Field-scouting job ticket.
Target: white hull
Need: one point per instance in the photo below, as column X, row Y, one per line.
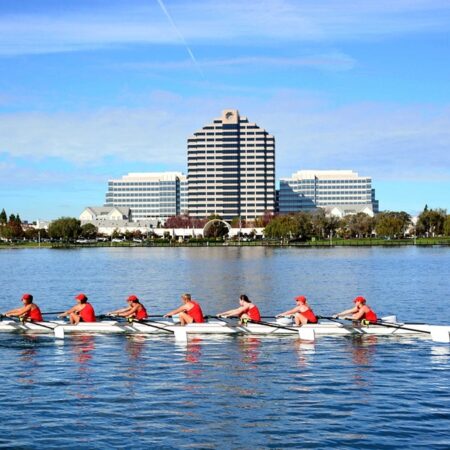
column 222, row 328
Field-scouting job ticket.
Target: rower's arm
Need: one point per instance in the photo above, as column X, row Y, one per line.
column 18, row 311
column 127, row 312
column 233, row 312
column 119, row 311
column 358, row 314
column 75, row 308
column 347, row 311
column 289, row 312
column 176, row 311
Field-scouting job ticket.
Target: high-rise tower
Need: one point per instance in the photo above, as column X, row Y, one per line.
column 231, row 169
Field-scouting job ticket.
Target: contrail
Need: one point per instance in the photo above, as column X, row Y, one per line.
column 191, row 55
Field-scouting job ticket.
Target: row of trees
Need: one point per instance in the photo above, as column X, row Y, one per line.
column 388, row 224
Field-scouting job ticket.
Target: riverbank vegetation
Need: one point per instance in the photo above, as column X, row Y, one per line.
column 314, row 228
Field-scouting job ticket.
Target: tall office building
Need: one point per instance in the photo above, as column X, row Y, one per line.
column 231, row 169
column 149, row 195
column 309, row 189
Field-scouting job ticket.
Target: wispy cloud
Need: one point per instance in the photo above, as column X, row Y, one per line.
column 330, row 61
column 209, row 21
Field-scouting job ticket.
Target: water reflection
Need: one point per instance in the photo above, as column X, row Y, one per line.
column 193, row 350
column 28, row 358
column 134, row 346
column 304, row 351
column 250, row 348
column 440, row 354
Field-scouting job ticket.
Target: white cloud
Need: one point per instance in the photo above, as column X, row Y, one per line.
column 384, row 141
column 209, row 21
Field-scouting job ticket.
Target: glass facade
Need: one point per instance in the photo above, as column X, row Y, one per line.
column 149, row 195
column 307, row 190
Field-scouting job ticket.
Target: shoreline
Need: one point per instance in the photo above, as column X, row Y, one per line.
column 421, row 242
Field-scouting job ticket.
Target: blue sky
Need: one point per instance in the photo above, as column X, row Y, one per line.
column 94, row 89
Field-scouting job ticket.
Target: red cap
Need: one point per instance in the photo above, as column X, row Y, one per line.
column 300, row 298
column 81, row 297
column 27, row 297
column 359, row 300
column 132, row 298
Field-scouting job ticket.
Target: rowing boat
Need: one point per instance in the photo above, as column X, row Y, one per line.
column 220, row 327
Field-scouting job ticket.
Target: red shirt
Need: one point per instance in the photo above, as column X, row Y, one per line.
column 35, row 314
column 87, row 314
column 141, row 313
column 196, row 312
column 370, row 316
column 309, row 315
column 253, row 313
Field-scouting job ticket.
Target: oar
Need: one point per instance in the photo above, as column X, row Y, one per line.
column 307, row 334
column 153, row 325
column 58, row 330
column 52, row 313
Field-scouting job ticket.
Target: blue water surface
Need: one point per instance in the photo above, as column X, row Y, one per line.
column 245, row 392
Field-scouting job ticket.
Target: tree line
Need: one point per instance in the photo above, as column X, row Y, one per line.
column 301, row 226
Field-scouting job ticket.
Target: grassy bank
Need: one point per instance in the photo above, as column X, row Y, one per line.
column 266, row 243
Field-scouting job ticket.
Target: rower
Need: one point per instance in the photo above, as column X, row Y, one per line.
column 134, row 310
column 302, row 313
column 28, row 312
column 361, row 311
column 81, row 312
column 189, row 312
column 246, row 311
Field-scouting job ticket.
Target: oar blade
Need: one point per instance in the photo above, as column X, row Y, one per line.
column 440, row 334
column 59, row 332
column 306, row 334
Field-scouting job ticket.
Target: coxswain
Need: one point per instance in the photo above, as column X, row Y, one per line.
column 361, row 311
column 28, row 312
column 134, row 310
column 81, row 312
column 189, row 312
column 246, row 311
column 302, row 313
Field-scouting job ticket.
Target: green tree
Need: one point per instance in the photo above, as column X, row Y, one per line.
column 216, row 229
column 392, row 224
column 89, row 231
column 282, row 227
column 358, row 225
column 431, row 222
column 3, row 217
column 65, row 228
column 447, row 226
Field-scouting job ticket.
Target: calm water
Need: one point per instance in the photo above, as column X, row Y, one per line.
column 135, row 392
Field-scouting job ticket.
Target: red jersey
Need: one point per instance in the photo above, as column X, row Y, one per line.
column 370, row 316
column 35, row 314
column 309, row 316
column 196, row 312
column 141, row 313
column 253, row 313
column 87, row 314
